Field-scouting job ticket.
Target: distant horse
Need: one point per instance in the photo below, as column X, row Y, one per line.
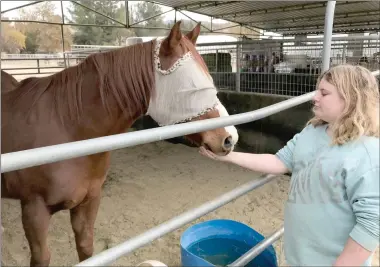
column 8, row 82
column 103, row 95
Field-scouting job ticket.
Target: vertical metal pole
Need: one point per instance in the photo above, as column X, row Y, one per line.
column 38, row 66
column 327, row 37
column 126, row 14
column 344, row 54
column 216, row 60
column 238, row 55
column 63, row 45
column 63, row 35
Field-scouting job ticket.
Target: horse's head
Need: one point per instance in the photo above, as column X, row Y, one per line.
column 185, row 91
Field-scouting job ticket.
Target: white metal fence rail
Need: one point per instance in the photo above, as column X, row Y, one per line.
column 110, row 255
column 48, row 154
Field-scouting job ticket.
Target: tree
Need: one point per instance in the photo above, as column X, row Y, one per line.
column 97, row 35
column 13, row 41
column 145, row 10
column 43, row 37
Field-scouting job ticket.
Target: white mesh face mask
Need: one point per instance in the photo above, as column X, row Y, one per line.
column 182, row 92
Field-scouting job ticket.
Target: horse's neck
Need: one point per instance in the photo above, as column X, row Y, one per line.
column 96, row 118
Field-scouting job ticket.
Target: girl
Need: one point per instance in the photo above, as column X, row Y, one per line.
column 332, row 212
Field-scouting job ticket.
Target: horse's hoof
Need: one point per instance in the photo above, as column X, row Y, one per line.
column 152, row 263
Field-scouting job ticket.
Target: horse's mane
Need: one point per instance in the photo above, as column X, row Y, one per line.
column 126, row 74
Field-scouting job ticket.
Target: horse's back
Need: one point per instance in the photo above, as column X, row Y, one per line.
column 26, row 116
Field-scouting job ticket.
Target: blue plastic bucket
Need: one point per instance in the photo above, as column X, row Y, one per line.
column 221, row 242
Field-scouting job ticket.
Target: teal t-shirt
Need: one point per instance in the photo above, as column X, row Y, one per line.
column 333, row 195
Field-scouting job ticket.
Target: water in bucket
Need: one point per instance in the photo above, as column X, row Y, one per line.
column 221, row 242
column 219, row 251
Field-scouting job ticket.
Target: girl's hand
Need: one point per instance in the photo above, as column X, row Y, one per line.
column 207, row 153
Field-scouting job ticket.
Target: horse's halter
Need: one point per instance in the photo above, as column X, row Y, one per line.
column 183, row 92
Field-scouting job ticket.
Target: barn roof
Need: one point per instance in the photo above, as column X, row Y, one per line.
column 288, row 17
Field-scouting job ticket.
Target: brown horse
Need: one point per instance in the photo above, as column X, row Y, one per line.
column 103, row 95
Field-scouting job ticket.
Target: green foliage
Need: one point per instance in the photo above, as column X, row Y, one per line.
column 93, row 35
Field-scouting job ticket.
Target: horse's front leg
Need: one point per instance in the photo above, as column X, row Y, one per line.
column 83, row 219
column 35, row 220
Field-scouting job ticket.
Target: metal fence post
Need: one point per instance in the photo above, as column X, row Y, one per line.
column 327, row 37
column 238, row 55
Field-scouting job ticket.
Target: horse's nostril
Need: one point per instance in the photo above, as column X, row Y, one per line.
column 227, row 142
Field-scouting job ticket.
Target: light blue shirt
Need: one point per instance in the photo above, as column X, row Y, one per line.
column 333, row 195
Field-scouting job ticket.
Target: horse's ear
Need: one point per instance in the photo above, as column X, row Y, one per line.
column 193, row 35
column 175, row 36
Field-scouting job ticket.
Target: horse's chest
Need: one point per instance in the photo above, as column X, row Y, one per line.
column 70, row 191
column 67, row 193
column 73, row 194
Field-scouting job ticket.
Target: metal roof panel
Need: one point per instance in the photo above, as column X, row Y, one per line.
column 269, row 14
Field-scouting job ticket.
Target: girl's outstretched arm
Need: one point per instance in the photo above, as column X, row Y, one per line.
column 266, row 163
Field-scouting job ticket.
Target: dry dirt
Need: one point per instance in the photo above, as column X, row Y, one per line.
column 148, row 185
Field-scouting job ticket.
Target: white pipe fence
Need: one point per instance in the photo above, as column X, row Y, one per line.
column 112, row 254
column 256, row 250
column 48, row 154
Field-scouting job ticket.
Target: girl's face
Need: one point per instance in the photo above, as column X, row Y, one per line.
column 328, row 104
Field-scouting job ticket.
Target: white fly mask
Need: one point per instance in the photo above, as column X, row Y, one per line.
column 183, row 92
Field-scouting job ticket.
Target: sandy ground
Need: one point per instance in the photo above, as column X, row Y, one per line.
column 148, row 185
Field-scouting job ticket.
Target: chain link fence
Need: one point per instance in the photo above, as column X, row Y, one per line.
column 280, row 67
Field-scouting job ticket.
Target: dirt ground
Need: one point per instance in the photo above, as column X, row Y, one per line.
column 148, row 185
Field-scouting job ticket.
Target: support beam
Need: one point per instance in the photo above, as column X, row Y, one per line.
column 203, row 4
column 285, row 8
column 151, row 17
column 320, row 31
column 63, row 36
column 18, row 7
column 60, row 23
column 321, row 26
column 327, row 37
column 193, row 20
column 315, row 18
column 126, row 5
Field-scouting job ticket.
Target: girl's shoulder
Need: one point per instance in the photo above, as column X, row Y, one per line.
column 368, row 148
column 361, row 155
column 311, row 132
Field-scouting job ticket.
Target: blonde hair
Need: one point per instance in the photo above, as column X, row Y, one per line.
column 359, row 89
